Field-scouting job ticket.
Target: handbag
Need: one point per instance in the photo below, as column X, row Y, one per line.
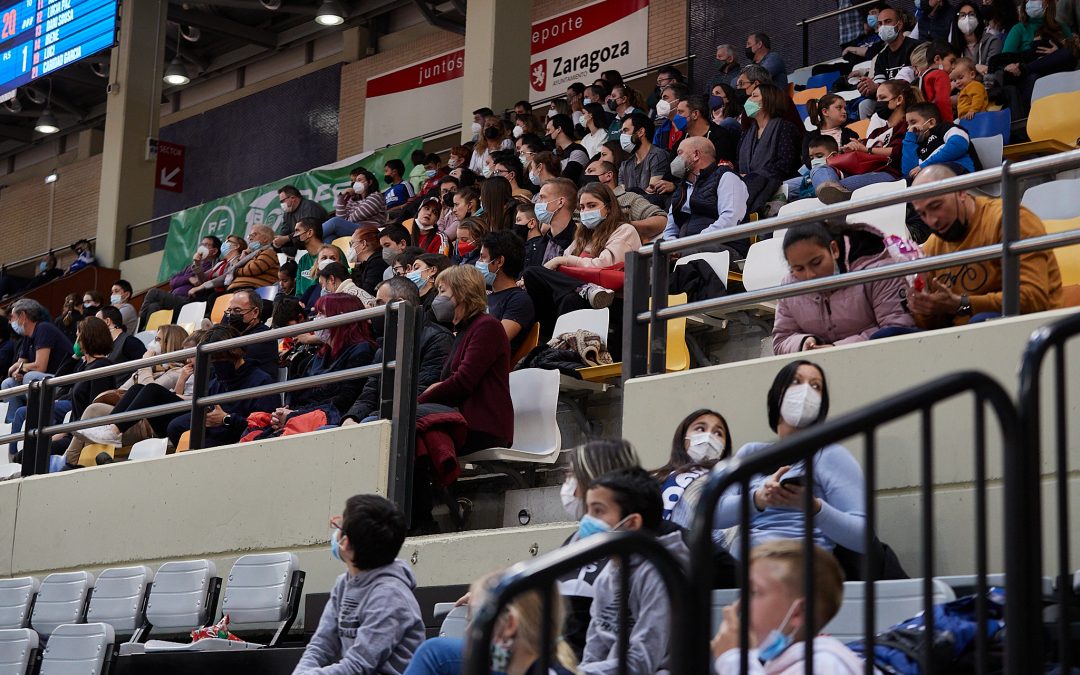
column 856, row 163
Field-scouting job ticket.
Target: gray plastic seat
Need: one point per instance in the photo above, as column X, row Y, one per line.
column 16, row 599
column 61, row 599
column 119, row 598
column 895, row 600
column 178, row 596
column 17, row 649
column 455, row 622
column 78, row 649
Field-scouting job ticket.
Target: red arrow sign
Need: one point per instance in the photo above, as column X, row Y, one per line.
column 169, row 172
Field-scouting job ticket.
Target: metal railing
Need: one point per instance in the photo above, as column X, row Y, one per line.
column 644, row 352
column 806, row 23
column 1045, row 342
column 6, row 267
column 398, row 372
column 542, row 575
column 1023, row 611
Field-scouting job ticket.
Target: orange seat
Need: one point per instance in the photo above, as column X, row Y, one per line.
column 184, row 443
column 220, row 305
column 859, row 127
column 531, row 340
column 803, row 97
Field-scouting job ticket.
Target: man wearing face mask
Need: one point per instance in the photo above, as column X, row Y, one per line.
column 258, row 265
column 695, row 110
column 646, row 160
column 393, row 239
column 893, row 57
column 120, row 298
column 307, row 236
column 398, row 191
column 727, row 61
column 242, row 315
column 294, row 206
column 435, row 343
column 758, row 50
column 554, row 210
column 47, row 271
column 710, row 196
column 972, row 292
column 647, row 218
column 672, row 125
column 501, row 262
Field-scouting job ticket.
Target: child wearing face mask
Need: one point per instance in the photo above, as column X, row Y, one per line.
column 930, row 139
column 818, row 152
column 372, row 622
column 798, row 399
column 778, row 621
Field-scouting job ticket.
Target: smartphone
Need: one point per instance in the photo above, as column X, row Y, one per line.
column 797, row 481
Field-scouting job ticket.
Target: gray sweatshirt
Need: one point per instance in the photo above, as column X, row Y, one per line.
column 371, row 624
column 650, row 622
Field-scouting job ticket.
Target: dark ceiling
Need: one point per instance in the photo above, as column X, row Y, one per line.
column 216, row 37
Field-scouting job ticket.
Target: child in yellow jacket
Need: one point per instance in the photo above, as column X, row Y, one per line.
column 971, row 97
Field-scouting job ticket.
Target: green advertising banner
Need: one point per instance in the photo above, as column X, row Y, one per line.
column 236, row 213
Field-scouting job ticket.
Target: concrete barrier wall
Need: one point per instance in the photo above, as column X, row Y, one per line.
column 860, row 374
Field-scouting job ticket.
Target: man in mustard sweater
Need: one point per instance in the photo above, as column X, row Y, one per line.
column 972, row 292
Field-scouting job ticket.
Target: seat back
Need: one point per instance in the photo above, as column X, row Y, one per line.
column 119, row 598
column 987, row 124
column 595, row 320
column 887, row 219
column 765, row 265
column 800, row 76
column 282, row 259
column 182, row 595
column 719, row 261
column 16, row 599
column 257, row 590
column 61, row 599
column 192, row 313
column 677, row 354
column 162, row 317
column 220, row 304
column 344, row 243
column 859, row 127
column 825, row 80
column 804, row 96
column 17, row 648
column 149, row 448
column 1054, row 118
column 1055, row 200
column 1057, row 83
column 267, row 293
column 535, row 393
column 455, row 623
column 528, row 344
column 894, row 601
column 145, row 337
column 797, row 206
column 1068, row 257
column 989, row 150
column 85, row 649
column 183, row 444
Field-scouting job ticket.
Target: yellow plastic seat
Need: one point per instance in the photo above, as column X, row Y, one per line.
column 860, row 127
column 220, row 305
column 803, row 97
column 677, row 357
column 1052, row 125
column 162, row 317
column 1068, row 257
column 184, row 443
column 89, row 454
column 531, row 340
column 343, row 243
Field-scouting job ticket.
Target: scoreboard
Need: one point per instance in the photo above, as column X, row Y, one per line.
column 38, row 37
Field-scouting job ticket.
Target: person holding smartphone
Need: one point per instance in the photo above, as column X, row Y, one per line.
column 797, row 399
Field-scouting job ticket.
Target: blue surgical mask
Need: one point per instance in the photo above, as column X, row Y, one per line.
column 254, row 245
column 482, row 266
column 542, row 213
column 590, row 525
column 335, row 545
column 591, row 219
column 42, row 266
column 679, row 121
column 1035, row 9
column 777, row 640
column 416, row 277
column 18, row 328
column 115, row 299
column 225, row 249
column 430, row 173
column 871, row 20
column 716, row 102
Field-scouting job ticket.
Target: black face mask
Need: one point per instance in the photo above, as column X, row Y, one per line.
column 612, row 105
column 491, row 133
column 957, row 230
column 224, row 371
column 741, row 97
column 236, row 321
column 586, row 179
column 882, row 110
column 448, row 200
column 749, row 53
column 378, row 325
column 389, row 179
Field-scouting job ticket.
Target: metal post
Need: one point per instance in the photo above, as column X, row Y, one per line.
column 389, row 350
column 805, row 43
column 197, row 440
column 403, row 434
column 635, row 334
column 658, row 335
column 38, row 404
column 1010, row 233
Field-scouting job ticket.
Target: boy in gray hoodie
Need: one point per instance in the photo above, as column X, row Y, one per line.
column 628, row 499
column 372, row 623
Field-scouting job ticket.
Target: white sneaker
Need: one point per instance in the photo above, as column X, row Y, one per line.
column 598, row 296
column 105, row 435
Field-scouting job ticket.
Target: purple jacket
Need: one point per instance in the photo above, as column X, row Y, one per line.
column 843, row 316
column 180, row 283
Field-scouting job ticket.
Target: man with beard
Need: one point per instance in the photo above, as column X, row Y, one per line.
column 294, row 206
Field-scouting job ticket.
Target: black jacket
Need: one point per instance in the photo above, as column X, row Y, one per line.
column 339, row 394
column 263, row 355
column 368, row 274
column 434, row 350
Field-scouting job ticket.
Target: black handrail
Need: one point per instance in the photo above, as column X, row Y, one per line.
column 543, row 573
column 805, row 25
column 1044, row 341
column 1023, row 609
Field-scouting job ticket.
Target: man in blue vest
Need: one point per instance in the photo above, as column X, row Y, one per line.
column 709, row 196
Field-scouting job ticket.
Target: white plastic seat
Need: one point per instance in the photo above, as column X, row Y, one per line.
column 282, row 259
column 720, row 262
column 83, row 649
column 192, row 313
column 888, row 219
column 894, row 601
column 9, row 470
column 16, row 598
column 989, row 149
column 595, row 320
column 535, row 393
column 797, row 206
column 259, row 590
column 17, row 649
column 61, row 599
column 146, row 337
column 765, row 265
column 800, row 76
column 455, row 623
column 119, row 597
column 1055, row 200
column 149, row 448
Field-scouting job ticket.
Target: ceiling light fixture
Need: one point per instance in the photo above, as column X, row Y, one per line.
column 176, row 74
column 52, row 177
column 46, row 124
column 330, row 14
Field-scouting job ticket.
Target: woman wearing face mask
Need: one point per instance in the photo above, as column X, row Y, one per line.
column 459, row 157
column 701, row 440
column 366, row 254
column 725, row 111
column 602, row 241
column 359, row 204
column 258, row 266
column 493, row 137
column 778, row 621
column 845, row 315
column 471, row 232
column 595, row 120
column 496, row 204
column 92, row 301
column 1039, row 40
column 797, row 399
column 970, row 38
column 334, row 279
column 207, row 283
column 623, row 101
column 327, row 253
column 770, row 144
column 423, row 271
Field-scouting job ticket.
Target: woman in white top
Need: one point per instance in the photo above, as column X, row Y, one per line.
column 595, row 122
column 492, row 138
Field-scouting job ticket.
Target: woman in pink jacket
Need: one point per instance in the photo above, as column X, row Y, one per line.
column 845, row 315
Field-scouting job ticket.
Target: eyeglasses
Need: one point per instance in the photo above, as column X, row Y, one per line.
column 335, row 522
column 399, row 271
column 499, row 172
column 236, row 311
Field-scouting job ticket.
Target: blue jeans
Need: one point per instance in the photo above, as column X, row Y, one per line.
column 893, row 331
column 437, row 656
column 826, row 174
column 16, row 402
column 337, row 226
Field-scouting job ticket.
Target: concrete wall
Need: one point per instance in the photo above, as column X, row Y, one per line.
column 860, row 374
column 142, row 272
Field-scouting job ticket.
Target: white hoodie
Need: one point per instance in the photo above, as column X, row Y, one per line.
column 831, row 657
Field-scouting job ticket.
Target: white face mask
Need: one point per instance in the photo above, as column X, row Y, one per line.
column 202, row 251
column 662, row 108
column 967, row 24
column 800, row 406
column 570, row 502
column 518, row 131
column 704, row 446
column 552, row 112
column 324, row 262
column 577, row 117
column 475, row 128
column 818, row 162
column 350, row 254
column 358, row 186
column 154, row 347
column 887, row 33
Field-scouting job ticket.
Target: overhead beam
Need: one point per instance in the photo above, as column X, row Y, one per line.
column 286, row 8
column 223, row 26
column 20, row 134
column 436, row 19
column 59, row 101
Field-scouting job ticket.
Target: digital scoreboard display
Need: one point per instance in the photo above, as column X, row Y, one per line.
column 38, row 37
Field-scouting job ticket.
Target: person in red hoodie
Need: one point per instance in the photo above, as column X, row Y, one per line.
column 933, row 62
